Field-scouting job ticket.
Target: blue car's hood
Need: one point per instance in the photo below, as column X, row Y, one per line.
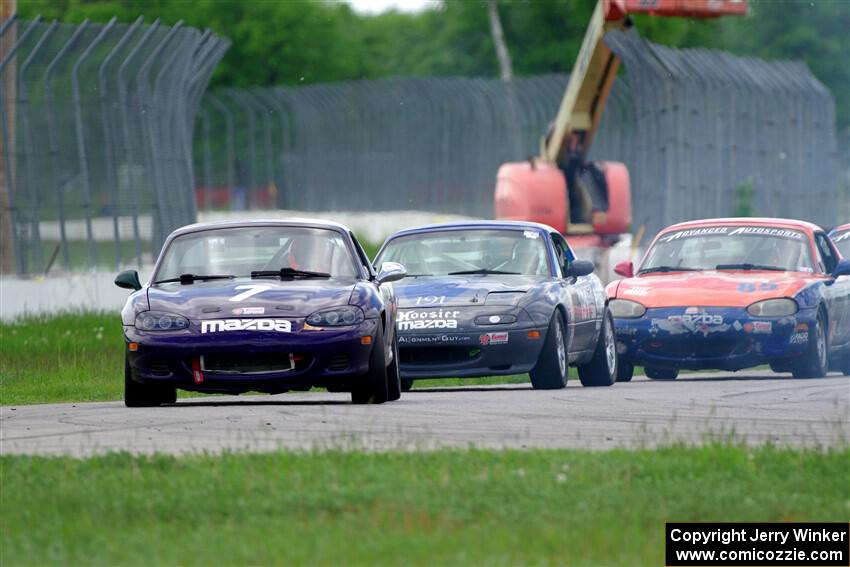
column 246, row 297
column 459, row 291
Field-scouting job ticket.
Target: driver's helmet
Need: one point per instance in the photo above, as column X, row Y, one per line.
column 310, row 252
column 773, row 256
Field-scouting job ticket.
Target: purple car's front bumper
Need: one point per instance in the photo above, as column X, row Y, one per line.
column 241, row 361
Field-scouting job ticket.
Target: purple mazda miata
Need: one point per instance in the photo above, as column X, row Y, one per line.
column 266, row 306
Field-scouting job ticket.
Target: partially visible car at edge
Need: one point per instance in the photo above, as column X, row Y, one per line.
column 498, row 298
column 733, row 293
column 267, row 306
column 840, row 235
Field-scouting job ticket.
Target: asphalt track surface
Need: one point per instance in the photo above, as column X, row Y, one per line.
column 749, row 407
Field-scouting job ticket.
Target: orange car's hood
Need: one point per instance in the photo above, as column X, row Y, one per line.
column 709, row 288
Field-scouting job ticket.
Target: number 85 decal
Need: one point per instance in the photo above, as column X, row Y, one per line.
column 745, row 287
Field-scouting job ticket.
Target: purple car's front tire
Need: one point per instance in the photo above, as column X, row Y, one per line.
column 138, row 395
column 372, row 388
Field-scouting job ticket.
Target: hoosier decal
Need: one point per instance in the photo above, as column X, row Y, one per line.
column 223, row 325
column 421, row 320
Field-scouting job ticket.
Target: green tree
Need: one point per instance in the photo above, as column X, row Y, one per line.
column 306, row 41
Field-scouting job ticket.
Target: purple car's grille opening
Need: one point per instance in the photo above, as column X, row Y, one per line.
column 253, row 363
column 438, row 355
column 159, row 368
column 339, row 362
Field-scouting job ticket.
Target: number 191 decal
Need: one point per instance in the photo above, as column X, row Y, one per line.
column 430, row 300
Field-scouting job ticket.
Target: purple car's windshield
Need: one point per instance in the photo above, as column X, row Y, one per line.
column 456, row 252
column 730, row 248
column 242, row 250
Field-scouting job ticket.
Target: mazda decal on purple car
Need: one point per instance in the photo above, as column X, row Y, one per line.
column 267, row 306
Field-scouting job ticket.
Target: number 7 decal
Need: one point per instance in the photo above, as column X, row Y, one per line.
column 252, row 290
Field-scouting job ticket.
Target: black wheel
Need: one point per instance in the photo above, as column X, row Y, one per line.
column 138, row 395
column 625, row 370
column 406, row 384
column 602, row 368
column 371, row 388
column 661, row 373
column 393, row 376
column 550, row 372
column 780, row 365
column 814, row 363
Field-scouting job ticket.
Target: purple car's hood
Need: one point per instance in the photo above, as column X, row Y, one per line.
column 217, row 299
column 460, row 291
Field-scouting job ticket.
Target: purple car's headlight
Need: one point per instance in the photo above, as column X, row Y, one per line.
column 773, row 308
column 336, row 317
column 160, row 321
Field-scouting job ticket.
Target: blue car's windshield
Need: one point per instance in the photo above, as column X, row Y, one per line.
column 730, row 248
column 474, row 251
column 242, row 250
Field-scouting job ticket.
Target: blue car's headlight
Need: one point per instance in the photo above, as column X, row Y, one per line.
column 336, row 317
column 160, row 321
column 495, row 319
column 626, row 309
column 773, row 308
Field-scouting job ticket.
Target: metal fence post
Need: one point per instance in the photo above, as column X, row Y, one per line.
column 108, row 130
column 51, row 134
column 127, row 137
column 229, row 149
column 81, row 141
column 27, row 132
column 7, row 158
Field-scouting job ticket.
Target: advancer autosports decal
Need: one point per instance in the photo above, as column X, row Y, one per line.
column 734, row 231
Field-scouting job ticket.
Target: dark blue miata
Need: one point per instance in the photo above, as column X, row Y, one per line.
column 266, row 306
column 491, row 298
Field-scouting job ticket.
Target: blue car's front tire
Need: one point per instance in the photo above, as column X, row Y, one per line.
column 625, row 370
column 814, row 363
column 660, row 373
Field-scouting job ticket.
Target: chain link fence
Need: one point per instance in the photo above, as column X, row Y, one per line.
column 701, row 132
column 716, row 135
column 98, row 144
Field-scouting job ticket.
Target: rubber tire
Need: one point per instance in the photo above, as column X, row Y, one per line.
column 660, row 373
column 597, row 372
column 406, row 384
column 393, row 375
column 371, row 388
column 811, row 365
column 780, row 366
column 138, row 395
column 547, row 374
column 625, row 370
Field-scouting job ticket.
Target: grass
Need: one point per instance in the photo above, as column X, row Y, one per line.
column 74, row 357
column 445, row 507
column 78, row 357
